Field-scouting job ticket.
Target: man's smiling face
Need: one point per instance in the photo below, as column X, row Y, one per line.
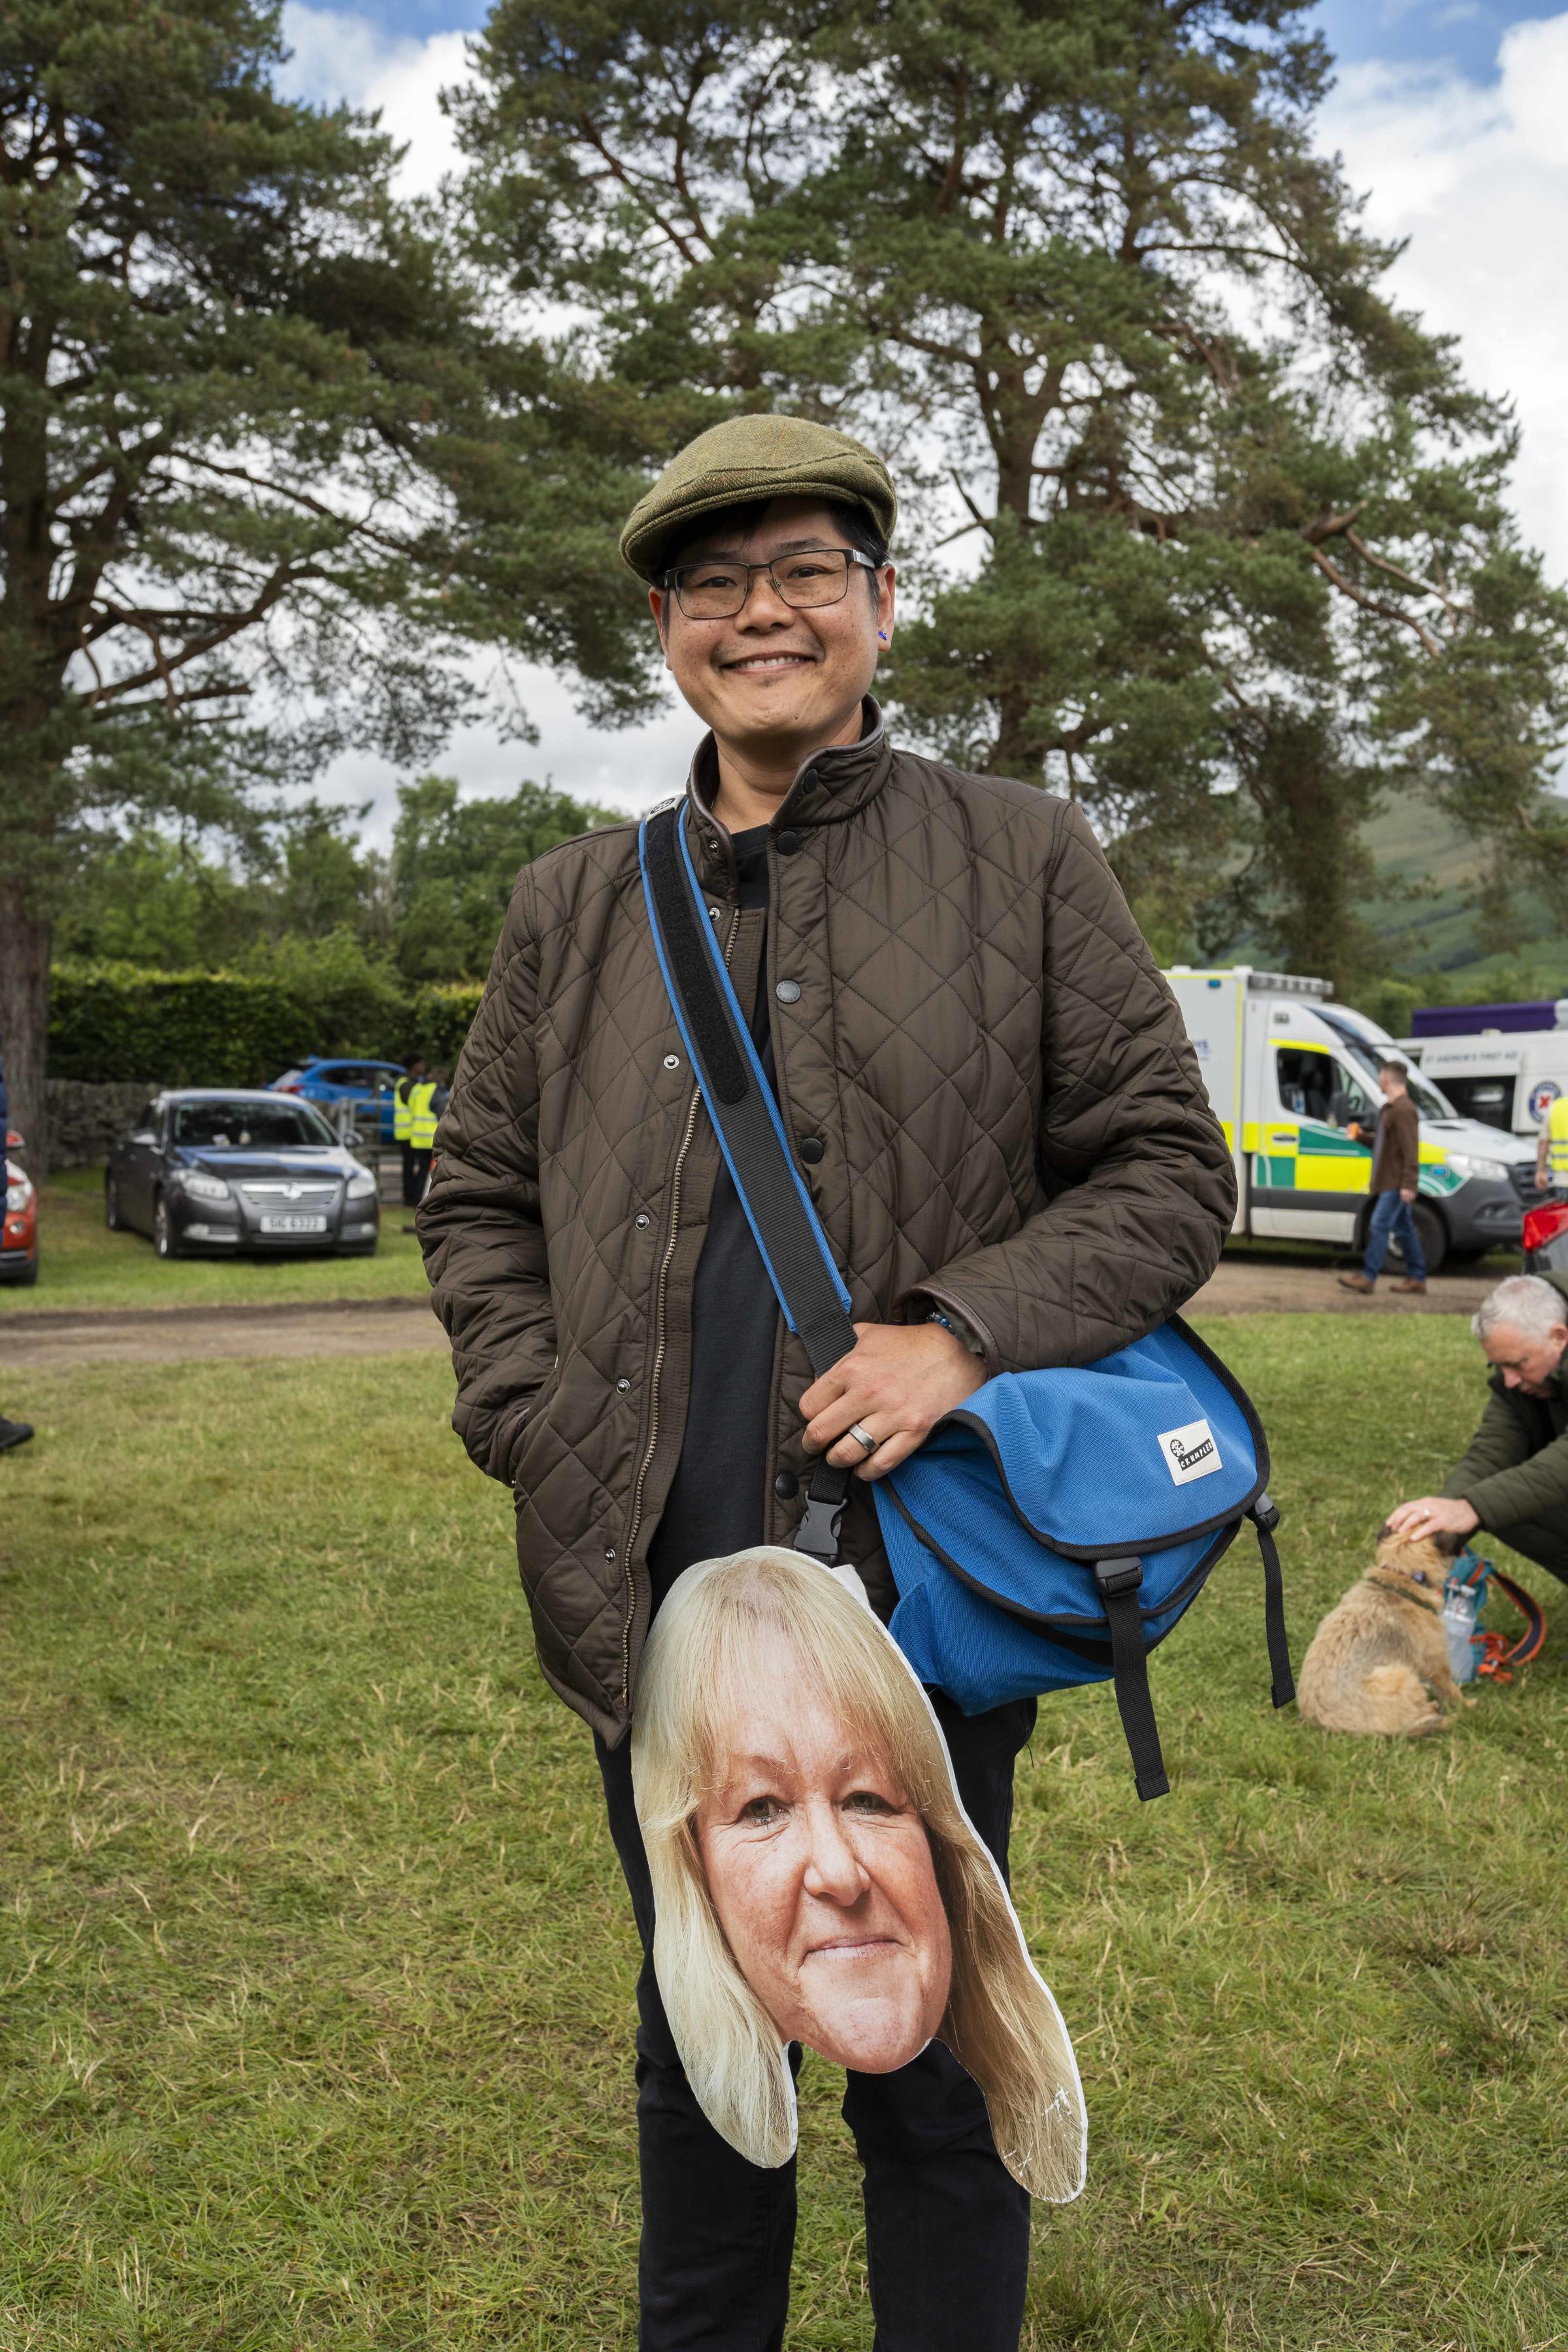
column 772, row 673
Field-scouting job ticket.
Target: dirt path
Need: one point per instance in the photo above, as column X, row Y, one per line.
column 1257, row 1286
column 376, row 1327
column 174, row 1335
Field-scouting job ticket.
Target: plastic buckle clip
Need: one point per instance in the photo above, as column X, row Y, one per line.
column 817, row 1534
column 1265, row 1514
column 1115, row 1576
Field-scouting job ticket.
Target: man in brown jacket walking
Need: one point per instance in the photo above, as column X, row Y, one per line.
column 989, row 1092
column 1396, row 1174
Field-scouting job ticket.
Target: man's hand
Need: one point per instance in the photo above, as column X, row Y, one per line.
column 896, row 1382
column 1406, row 1196
column 1434, row 1515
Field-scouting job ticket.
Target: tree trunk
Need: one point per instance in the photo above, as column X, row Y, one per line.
column 24, row 1022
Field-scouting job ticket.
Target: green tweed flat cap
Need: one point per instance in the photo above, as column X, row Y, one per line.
column 755, row 458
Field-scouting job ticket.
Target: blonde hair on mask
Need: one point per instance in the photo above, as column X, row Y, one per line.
column 721, row 1629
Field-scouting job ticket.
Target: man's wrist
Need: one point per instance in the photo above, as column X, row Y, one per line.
column 954, row 1322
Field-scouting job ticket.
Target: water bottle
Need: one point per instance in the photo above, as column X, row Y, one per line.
column 1459, row 1626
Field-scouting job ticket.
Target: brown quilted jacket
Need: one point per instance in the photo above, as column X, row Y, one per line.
column 1010, row 1118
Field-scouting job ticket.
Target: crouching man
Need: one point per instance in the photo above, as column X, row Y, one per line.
column 1513, row 1480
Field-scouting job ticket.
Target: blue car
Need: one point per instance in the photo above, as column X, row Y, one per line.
column 367, row 1085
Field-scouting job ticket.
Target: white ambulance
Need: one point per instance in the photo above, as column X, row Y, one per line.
column 1505, row 1064
column 1289, row 1073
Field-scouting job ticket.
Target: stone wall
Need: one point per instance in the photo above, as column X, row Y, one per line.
column 85, row 1119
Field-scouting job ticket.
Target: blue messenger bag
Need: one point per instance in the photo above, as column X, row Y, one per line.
column 1054, row 1528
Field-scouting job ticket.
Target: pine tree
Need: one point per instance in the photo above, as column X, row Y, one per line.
column 266, row 465
column 1077, row 266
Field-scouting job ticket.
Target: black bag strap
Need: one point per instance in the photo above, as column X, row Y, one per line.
column 1119, row 1581
column 1264, row 1517
column 745, row 1117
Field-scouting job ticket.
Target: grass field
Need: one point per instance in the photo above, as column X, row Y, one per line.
column 82, row 1265
column 318, row 1974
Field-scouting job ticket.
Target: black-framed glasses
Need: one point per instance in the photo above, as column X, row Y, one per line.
column 717, row 590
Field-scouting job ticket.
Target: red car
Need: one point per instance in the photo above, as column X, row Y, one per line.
column 19, row 1233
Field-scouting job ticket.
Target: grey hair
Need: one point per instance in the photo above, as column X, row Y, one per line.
column 1525, row 1302
column 1002, row 2022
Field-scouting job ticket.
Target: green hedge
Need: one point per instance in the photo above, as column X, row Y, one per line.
column 109, row 1022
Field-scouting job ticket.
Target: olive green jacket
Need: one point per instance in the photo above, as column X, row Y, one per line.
column 1516, row 1467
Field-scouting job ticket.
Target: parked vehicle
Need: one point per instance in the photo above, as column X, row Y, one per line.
column 19, row 1233
column 1289, row 1073
column 366, row 1085
column 1546, row 1238
column 1505, row 1064
column 228, row 1172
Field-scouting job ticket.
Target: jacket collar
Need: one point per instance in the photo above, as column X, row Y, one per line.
column 828, row 787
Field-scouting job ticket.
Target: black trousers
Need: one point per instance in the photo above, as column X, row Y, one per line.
column 947, row 2228
column 416, row 1175
column 1543, row 1540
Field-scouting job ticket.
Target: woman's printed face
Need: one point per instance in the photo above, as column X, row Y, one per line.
column 821, row 1875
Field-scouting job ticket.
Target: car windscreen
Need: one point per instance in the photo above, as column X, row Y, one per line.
column 247, row 1125
column 1421, row 1092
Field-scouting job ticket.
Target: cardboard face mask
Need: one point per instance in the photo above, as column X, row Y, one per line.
column 815, row 1878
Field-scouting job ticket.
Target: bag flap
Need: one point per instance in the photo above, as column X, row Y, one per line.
column 1143, row 1450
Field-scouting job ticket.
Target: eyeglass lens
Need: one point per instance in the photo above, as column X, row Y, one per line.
column 713, row 591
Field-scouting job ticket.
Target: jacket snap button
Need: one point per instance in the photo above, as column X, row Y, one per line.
column 672, row 1061
column 623, row 1386
column 787, row 842
column 787, row 1485
column 788, row 992
column 642, row 1221
column 812, row 1149
column 609, row 1551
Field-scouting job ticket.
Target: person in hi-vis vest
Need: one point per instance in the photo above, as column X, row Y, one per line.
column 1552, row 1151
column 427, row 1102
column 403, row 1129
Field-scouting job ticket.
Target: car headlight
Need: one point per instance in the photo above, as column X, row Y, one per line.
column 204, row 1187
column 1466, row 1163
column 361, row 1187
column 18, row 1192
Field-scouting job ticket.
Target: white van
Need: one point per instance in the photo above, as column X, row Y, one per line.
column 1504, row 1064
column 1288, row 1071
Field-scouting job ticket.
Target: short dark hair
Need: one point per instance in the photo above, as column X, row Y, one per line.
column 848, row 515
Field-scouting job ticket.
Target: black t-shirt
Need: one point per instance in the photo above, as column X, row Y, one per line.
column 718, row 1501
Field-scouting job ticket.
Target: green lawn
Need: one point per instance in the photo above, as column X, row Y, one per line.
column 318, row 1974
column 82, row 1265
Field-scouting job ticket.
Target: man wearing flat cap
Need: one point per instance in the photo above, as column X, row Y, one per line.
column 989, row 1093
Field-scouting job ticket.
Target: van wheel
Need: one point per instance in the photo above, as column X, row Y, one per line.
column 1433, row 1235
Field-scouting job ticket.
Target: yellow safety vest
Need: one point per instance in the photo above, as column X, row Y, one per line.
column 421, row 1115
column 1557, row 1140
column 401, row 1115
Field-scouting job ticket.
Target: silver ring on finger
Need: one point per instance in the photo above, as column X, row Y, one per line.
column 863, row 1436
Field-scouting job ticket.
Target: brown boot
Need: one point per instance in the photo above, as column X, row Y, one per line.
column 1417, row 1289
column 1358, row 1282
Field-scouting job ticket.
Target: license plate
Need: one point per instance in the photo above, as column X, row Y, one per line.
column 293, row 1225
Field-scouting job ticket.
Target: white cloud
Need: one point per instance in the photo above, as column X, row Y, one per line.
column 1477, row 178
column 338, row 55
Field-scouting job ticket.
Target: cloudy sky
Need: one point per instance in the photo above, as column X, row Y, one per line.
column 1448, row 114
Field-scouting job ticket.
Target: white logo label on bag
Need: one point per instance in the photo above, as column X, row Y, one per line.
column 1190, row 1453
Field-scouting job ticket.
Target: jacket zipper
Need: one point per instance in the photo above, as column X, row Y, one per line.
column 659, row 1339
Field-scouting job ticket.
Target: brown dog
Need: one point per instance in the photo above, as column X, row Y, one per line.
column 1379, row 1656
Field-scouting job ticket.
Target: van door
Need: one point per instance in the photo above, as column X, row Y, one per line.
column 1310, row 1173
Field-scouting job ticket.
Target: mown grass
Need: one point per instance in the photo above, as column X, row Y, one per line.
column 81, row 1265
column 317, row 1973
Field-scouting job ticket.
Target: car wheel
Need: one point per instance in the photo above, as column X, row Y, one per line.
column 1433, row 1237
column 163, row 1240
column 113, row 1217
column 29, row 1274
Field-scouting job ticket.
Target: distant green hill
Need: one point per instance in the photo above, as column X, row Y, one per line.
column 1425, row 864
